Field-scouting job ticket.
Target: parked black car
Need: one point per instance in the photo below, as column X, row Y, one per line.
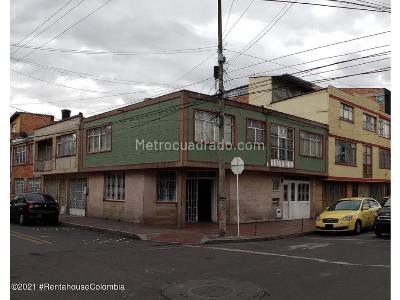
column 382, row 223
column 28, row 207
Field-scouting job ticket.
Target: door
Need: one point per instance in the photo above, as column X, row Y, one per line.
column 192, row 191
column 63, row 196
column 77, row 197
column 296, row 199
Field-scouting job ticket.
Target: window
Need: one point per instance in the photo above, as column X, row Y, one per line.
column 346, row 112
column 45, row 150
column 19, row 186
column 255, row 131
column 99, row 139
column 206, row 129
column 114, row 186
column 282, row 146
column 384, row 128
column 166, row 186
column 384, row 159
column 66, row 145
column 367, row 161
column 34, row 185
column 373, row 203
column 23, row 154
column 303, row 192
column 276, row 183
column 310, row 144
column 345, row 153
column 369, row 122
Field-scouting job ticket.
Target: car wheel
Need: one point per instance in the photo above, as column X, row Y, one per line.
column 378, row 233
column 22, row 220
column 54, row 221
column 357, row 227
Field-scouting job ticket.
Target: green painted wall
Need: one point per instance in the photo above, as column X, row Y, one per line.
column 158, row 122
column 255, row 156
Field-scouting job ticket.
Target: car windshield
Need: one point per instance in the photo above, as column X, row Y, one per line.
column 387, row 203
column 345, row 205
column 38, row 198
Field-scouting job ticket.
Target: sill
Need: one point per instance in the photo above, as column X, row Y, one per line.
column 308, row 156
column 374, row 131
column 384, row 168
column 113, row 200
column 20, row 165
column 345, row 165
column 162, row 202
column 347, row 120
column 90, row 153
column 61, row 156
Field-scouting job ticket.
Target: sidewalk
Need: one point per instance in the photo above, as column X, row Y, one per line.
column 194, row 233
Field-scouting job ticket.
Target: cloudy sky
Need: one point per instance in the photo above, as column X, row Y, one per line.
column 171, row 44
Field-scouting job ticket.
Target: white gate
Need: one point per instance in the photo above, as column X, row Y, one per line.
column 192, row 192
column 296, row 199
column 77, row 197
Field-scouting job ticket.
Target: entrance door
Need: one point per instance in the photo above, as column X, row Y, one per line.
column 63, row 196
column 296, row 199
column 199, row 200
column 77, row 197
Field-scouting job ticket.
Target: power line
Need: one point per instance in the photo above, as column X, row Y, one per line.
column 56, row 21
column 328, row 5
column 265, row 30
column 69, row 28
column 122, row 53
column 41, row 24
column 310, row 49
column 229, row 14
column 238, row 19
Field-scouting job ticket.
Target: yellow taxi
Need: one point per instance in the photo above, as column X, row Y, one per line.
column 348, row 214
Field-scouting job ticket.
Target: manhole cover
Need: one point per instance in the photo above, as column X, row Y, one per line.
column 217, row 289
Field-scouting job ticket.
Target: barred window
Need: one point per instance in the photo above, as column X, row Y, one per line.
column 384, row 128
column 255, row 131
column 303, row 192
column 206, row 129
column 346, row 112
column 19, row 185
column 345, row 153
column 276, row 184
column 99, row 139
column 384, row 159
column 23, row 154
column 166, row 186
column 282, row 146
column 34, row 185
column 310, row 144
column 369, row 122
column 367, row 161
column 114, row 186
column 66, row 145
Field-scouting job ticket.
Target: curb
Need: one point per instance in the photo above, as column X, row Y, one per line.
column 135, row 236
column 245, row 239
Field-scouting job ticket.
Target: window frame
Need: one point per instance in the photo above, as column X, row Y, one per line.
column 35, row 179
column 366, row 123
column 15, row 185
column 60, row 137
column 215, row 130
column 386, row 164
column 88, row 136
column 380, row 122
column 115, row 176
column 301, row 145
column 174, row 181
column 341, row 113
column 263, row 130
column 355, row 153
column 278, row 148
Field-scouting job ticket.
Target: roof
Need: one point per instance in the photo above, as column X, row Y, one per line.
column 18, row 113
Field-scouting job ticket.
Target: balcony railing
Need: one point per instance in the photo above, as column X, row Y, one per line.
column 43, row 165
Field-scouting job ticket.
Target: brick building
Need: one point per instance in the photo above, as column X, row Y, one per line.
column 22, row 126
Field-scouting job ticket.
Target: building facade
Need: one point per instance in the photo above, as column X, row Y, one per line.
column 157, row 162
column 57, row 154
column 22, row 126
column 359, row 136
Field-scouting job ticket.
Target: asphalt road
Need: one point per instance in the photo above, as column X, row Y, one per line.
column 310, row 267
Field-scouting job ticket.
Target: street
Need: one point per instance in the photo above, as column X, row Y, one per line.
column 308, row 267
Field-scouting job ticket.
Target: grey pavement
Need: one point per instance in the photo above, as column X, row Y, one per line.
column 307, row 267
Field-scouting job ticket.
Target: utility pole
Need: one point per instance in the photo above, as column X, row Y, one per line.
column 221, row 122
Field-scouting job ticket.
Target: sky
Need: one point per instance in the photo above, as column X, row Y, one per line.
column 172, row 45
